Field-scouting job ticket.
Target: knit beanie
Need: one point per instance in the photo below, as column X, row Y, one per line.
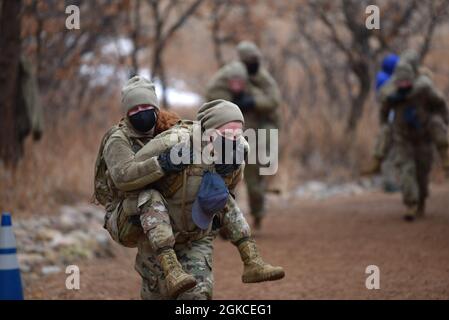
column 216, row 113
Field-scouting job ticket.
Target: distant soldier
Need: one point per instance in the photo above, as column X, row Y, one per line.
column 259, row 102
column 421, row 119
column 384, row 139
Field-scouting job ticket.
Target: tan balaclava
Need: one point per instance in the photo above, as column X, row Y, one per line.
column 138, row 91
column 216, row 113
column 248, row 51
column 411, row 57
column 404, row 72
column 234, row 70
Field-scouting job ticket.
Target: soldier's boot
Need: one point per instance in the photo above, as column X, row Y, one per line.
column 374, row 167
column 176, row 279
column 411, row 213
column 254, row 268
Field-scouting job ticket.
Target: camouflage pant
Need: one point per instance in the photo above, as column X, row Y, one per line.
column 233, row 224
column 438, row 132
column 195, row 258
column 157, row 227
column 413, row 161
column 155, row 222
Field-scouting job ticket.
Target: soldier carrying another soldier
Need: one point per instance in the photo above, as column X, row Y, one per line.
column 172, row 211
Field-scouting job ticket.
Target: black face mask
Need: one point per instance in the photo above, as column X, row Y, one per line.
column 252, row 67
column 228, row 151
column 405, row 90
column 143, row 121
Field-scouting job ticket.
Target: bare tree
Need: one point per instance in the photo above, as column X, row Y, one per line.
column 10, row 28
column 168, row 20
column 219, row 12
column 135, row 35
column 347, row 36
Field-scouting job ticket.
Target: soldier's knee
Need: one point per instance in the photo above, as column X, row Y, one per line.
column 237, row 229
column 161, row 236
column 155, row 219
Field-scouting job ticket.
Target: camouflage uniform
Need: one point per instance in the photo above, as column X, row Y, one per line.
column 193, row 246
column 265, row 115
column 420, row 117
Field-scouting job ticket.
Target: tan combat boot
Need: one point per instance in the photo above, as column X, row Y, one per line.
column 374, row 167
column 176, row 279
column 411, row 213
column 254, row 268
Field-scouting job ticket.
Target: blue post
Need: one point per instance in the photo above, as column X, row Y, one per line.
column 10, row 281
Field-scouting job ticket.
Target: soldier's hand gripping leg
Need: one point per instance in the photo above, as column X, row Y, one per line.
column 254, row 268
column 176, row 279
column 155, row 222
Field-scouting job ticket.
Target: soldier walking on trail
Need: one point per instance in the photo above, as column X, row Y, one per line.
column 259, row 101
column 420, row 122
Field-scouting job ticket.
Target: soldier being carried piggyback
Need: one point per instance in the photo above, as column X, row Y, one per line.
column 171, row 211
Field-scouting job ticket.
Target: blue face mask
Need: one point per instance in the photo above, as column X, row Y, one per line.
column 144, row 121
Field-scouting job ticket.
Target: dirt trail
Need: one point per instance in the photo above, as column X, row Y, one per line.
column 324, row 247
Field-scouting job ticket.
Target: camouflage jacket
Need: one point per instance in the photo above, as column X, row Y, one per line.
column 125, row 174
column 180, row 189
